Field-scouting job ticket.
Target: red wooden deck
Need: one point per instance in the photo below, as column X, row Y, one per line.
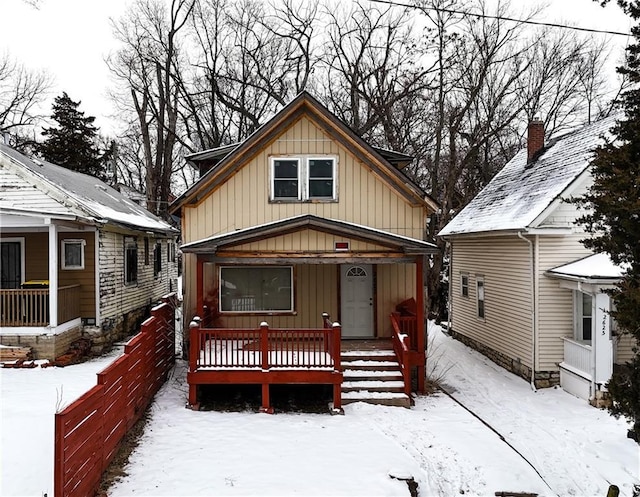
column 264, row 356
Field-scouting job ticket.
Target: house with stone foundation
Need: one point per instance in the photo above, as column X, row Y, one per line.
column 523, row 289
column 77, row 258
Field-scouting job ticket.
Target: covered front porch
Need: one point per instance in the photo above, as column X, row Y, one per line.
column 260, row 306
column 588, row 356
column 47, row 281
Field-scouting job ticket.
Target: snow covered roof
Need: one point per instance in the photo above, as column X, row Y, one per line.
column 520, row 192
column 593, row 267
column 77, row 194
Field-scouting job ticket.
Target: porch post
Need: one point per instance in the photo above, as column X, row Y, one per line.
column 53, row 275
column 199, row 287
column 420, row 322
column 194, row 353
column 601, row 340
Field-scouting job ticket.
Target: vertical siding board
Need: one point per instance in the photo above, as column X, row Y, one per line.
column 363, row 198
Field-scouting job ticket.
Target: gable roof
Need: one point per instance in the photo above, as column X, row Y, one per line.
column 517, row 196
column 598, row 268
column 71, row 194
column 309, row 221
column 303, row 104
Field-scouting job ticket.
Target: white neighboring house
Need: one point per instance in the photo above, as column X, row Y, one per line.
column 76, row 257
column 517, row 292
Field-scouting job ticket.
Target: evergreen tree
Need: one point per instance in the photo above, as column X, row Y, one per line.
column 73, row 142
column 614, row 220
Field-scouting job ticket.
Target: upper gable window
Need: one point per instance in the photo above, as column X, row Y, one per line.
column 299, row 179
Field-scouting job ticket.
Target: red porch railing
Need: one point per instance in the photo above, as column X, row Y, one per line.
column 30, row 306
column 264, row 356
column 88, row 432
column 402, row 345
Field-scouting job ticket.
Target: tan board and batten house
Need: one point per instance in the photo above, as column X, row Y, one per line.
column 77, row 258
column 524, row 290
column 301, row 218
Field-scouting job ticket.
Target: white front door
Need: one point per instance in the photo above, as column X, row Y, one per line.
column 356, row 296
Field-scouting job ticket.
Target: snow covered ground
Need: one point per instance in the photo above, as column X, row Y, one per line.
column 571, row 449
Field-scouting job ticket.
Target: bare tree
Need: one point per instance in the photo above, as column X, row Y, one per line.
column 21, row 93
column 251, row 60
column 147, row 64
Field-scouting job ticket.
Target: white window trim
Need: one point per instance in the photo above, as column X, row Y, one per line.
column 480, row 280
column 303, row 178
column 462, row 276
column 131, row 242
column 261, row 311
column 578, row 313
column 63, row 252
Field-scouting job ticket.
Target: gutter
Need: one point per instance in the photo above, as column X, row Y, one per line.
column 449, row 249
column 533, row 312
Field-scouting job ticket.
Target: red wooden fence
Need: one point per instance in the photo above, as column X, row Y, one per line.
column 88, row 432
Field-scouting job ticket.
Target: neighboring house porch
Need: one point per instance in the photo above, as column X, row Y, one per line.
column 48, row 282
column 75, row 257
column 594, row 348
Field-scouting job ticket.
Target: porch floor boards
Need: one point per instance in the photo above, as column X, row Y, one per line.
column 372, row 344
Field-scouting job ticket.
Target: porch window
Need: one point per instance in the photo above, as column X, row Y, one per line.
column 130, row 261
column 256, row 289
column 480, row 295
column 303, row 178
column 584, row 316
column 72, row 254
column 157, row 259
column 464, row 285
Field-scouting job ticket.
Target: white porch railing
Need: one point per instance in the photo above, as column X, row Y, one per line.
column 577, row 355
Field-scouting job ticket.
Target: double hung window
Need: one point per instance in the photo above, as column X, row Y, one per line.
column 300, row 179
column 480, row 295
column 584, row 315
column 464, row 285
column 130, row 261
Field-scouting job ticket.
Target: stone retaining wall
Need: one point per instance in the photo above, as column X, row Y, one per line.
column 543, row 379
column 44, row 346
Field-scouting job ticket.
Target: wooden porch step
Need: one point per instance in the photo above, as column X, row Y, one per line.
column 371, row 375
column 368, row 365
column 374, row 377
column 381, row 398
column 373, row 386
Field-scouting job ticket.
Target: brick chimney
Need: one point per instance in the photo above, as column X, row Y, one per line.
column 535, row 138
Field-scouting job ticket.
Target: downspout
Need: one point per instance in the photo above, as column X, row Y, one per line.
column 533, row 312
column 449, row 249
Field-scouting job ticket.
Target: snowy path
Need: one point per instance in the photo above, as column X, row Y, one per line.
column 579, row 450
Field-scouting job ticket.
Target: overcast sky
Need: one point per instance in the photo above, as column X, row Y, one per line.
column 71, row 38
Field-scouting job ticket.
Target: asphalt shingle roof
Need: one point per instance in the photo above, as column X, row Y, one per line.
column 89, row 196
column 518, row 194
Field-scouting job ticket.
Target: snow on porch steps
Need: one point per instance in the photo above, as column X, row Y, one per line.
column 374, row 377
